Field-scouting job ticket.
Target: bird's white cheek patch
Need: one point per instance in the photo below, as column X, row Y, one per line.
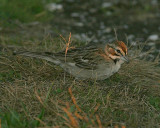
column 114, row 57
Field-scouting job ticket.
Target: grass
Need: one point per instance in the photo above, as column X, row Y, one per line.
column 22, row 11
column 22, row 20
column 34, row 93
column 14, row 119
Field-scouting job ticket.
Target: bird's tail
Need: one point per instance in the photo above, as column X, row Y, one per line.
column 41, row 55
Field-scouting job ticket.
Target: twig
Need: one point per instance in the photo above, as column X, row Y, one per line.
column 73, row 121
column 115, row 31
column 67, row 48
column 40, row 121
column 74, row 100
column 39, row 98
column 98, row 121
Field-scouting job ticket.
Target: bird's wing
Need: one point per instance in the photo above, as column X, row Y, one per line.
column 86, row 58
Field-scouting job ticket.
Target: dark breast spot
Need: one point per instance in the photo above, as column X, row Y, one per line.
column 116, row 60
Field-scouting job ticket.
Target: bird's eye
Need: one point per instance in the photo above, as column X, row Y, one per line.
column 118, row 51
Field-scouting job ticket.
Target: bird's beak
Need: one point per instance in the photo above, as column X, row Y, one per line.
column 125, row 58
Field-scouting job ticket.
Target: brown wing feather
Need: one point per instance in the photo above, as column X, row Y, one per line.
column 84, row 57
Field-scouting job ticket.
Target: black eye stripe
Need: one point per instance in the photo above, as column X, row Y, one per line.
column 117, row 55
column 118, row 51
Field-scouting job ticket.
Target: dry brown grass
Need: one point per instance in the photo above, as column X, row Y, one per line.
column 31, row 87
column 78, row 115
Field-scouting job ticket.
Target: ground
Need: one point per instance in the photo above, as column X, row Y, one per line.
column 36, row 93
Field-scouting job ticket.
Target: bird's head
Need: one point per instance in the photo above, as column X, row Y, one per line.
column 118, row 51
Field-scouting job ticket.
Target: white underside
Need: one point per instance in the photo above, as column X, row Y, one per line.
column 102, row 72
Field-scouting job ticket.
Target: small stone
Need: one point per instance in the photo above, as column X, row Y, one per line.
column 106, row 5
column 153, row 37
column 108, row 30
column 130, row 37
column 151, row 44
column 79, row 24
column 74, row 14
column 52, row 7
column 133, row 43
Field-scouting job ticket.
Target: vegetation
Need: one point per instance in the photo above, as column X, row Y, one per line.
column 36, row 93
column 22, row 11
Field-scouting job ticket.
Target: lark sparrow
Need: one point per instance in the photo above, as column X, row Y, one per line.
column 98, row 61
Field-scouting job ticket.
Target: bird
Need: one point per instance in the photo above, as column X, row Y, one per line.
column 93, row 61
